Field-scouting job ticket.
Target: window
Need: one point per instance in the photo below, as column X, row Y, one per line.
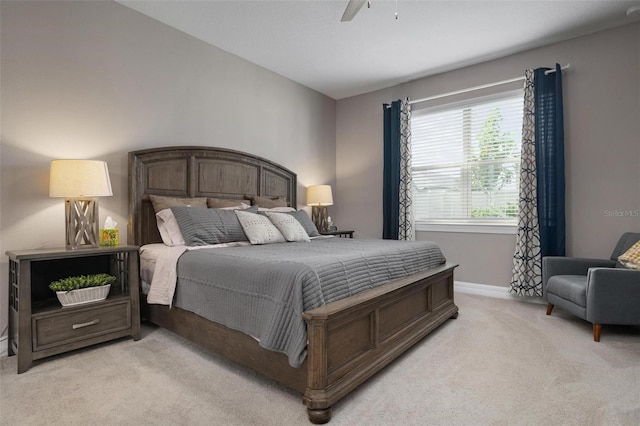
column 466, row 161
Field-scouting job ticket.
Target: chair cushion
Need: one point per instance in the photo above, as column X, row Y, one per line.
column 569, row 287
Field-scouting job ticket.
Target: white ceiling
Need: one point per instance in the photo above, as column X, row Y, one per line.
column 305, row 41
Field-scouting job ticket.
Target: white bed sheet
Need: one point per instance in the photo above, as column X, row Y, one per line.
column 160, row 268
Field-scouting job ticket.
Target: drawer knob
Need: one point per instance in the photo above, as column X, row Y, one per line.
column 86, row 324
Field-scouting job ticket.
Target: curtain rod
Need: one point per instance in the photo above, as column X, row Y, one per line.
column 483, row 86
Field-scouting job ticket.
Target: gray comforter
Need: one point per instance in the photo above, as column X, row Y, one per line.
column 263, row 290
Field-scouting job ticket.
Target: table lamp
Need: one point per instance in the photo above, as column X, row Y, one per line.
column 79, row 182
column 319, row 197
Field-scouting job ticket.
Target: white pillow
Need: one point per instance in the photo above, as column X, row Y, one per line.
column 169, row 229
column 258, row 228
column 241, row 206
column 288, row 226
column 277, row 209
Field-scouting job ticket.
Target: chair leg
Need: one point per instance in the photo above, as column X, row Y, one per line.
column 597, row 329
column 549, row 308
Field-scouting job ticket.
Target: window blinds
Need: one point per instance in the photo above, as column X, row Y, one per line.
column 466, row 161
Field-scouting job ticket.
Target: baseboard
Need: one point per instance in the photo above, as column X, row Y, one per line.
column 3, row 346
column 493, row 291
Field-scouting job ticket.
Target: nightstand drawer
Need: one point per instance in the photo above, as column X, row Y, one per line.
column 64, row 327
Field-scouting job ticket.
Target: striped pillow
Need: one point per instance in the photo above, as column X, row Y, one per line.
column 201, row 227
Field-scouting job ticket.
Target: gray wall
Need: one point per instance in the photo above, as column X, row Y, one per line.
column 602, row 131
column 95, row 80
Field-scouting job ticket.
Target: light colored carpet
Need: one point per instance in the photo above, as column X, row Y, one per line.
column 500, row 363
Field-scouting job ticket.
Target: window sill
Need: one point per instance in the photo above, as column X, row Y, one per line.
column 468, row 229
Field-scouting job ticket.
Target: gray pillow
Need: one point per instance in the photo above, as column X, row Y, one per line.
column 259, row 228
column 269, row 203
column 306, row 222
column 201, row 227
column 290, row 228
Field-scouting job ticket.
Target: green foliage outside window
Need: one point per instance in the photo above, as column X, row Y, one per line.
column 492, row 174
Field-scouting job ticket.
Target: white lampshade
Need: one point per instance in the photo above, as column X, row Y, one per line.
column 319, row 195
column 79, row 178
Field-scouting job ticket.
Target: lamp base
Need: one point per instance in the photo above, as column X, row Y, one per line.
column 81, row 223
column 319, row 216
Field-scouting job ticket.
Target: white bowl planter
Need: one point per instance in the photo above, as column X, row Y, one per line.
column 83, row 295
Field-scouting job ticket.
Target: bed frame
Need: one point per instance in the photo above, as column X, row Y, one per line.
column 348, row 340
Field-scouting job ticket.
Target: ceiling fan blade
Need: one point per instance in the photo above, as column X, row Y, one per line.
column 352, row 9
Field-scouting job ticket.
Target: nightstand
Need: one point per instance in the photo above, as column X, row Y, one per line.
column 40, row 327
column 339, row 233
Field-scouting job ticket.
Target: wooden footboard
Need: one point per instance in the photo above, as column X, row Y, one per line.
column 349, row 340
column 352, row 339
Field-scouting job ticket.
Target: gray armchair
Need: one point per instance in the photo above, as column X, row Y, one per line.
column 601, row 291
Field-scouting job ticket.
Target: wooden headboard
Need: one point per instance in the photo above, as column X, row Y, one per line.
column 188, row 171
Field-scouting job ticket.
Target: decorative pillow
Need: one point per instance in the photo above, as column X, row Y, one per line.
column 216, row 203
column 169, row 229
column 268, row 203
column 288, row 226
column 209, row 226
column 631, row 257
column 306, row 222
column 258, row 228
column 160, row 203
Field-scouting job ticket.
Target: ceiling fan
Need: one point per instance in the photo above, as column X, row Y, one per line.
column 353, row 8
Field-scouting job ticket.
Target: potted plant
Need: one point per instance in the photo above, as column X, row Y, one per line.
column 82, row 289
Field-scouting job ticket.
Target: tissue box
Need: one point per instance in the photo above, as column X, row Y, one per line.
column 109, row 237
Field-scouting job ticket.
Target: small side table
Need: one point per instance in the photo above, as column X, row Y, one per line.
column 339, row 233
column 40, row 327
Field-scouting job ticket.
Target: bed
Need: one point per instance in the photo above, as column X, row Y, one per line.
column 348, row 340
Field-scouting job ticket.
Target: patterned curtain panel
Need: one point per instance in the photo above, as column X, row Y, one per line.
column 397, row 186
column 405, row 206
column 526, row 279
